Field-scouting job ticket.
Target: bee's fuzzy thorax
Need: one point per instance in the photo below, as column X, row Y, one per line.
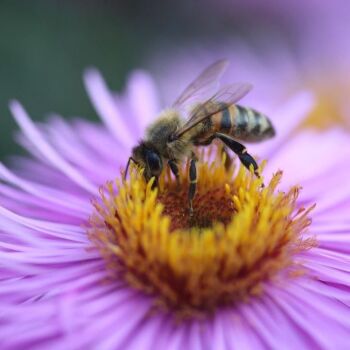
column 158, row 134
column 168, row 121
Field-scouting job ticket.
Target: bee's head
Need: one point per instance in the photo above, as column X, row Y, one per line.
column 147, row 158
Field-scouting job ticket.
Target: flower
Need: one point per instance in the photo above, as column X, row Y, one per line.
column 56, row 288
column 238, row 237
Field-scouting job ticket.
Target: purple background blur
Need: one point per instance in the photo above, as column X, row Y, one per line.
column 46, row 45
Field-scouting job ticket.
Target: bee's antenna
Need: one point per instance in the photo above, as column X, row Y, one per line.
column 127, row 166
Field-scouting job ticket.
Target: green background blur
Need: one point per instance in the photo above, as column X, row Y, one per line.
column 45, row 46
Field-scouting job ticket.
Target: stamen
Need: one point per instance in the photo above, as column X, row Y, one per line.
column 240, row 236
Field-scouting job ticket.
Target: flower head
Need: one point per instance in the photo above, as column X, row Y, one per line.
column 59, row 290
column 238, row 237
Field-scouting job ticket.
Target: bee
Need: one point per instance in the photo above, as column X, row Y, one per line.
column 171, row 138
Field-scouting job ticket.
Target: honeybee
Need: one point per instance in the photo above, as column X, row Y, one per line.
column 170, row 138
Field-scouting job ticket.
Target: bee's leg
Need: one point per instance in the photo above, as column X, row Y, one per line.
column 241, row 152
column 175, row 170
column 155, row 183
column 228, row 158
column 193, row 182
column 207, row 142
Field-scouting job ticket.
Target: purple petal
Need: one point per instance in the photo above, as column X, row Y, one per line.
column 34, row 135
column 107, row 108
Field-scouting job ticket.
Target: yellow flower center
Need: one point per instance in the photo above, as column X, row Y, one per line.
column 326, row 113
column 331, row 101
column 241, row 235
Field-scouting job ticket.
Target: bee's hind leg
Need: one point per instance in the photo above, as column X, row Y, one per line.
column 175, row 170
column 228, row 158
column 193, row 182
column 246, row 159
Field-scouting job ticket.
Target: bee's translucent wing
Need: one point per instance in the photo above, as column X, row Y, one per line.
column 203, row 83
column 225, row 97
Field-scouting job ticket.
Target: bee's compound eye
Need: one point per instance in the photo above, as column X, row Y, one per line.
column 154, row 162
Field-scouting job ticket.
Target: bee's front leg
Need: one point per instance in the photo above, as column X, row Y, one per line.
column 175, row 170
column 193, row 182
column 155, row 183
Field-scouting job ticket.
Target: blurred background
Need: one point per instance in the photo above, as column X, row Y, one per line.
column 46, row 45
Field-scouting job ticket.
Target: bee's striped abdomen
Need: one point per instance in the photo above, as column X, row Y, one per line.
column 223, row 122
column 226, row 120
column 239, row 122
column 250, row 125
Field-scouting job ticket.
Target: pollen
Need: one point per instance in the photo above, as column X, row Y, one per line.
column 241, row 235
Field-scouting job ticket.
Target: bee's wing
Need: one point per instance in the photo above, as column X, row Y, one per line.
column 225, row 97
column 203, row 83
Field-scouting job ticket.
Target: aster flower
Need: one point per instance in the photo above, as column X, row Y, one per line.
column 74, row 276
